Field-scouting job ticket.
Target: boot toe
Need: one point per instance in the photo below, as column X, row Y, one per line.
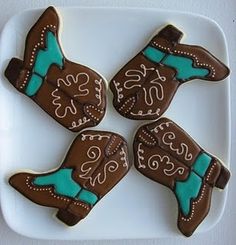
column 199, row 210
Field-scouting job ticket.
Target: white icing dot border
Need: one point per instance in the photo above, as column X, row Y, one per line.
column 96, row 109
column 111, row 144
column 33, row 53
column 81, row 204
column 190, row 54
column 195, row 203
column 211, row 170
column 132, row 99
column 50, row 190
column 150, row 136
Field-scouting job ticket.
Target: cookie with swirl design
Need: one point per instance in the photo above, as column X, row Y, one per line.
column 165, row 153
column 94, row 164
column 146, row 85
column 73, row 94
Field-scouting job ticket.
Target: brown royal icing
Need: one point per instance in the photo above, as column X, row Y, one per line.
column 145, row 86
column 71, row 93
column 101, row 163
column 166, row 154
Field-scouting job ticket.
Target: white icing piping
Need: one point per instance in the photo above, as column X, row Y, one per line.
column 81, row 122
column 190, row 54
column 94, row 153
column 157, row 88
column 169, row 170
column 132, row 100
column 51, row 192
column 183, row 150
column 124, row 157
column 161, row 126
column 148, row 113
column 136, row 76
column 193, row 205
column 93, row 136
column 98, row 89
column 71, row 108
column 110, row 167
column 34, row 51
column 118, row 91
column 140, row 157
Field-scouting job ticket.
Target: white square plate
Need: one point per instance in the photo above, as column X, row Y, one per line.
column 105, row 39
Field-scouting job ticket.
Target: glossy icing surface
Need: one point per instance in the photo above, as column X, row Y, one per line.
column 73, row 94
column 144, row 87
column 166, row 154
column 82, row 179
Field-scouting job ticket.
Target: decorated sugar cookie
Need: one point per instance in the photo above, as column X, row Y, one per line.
column 71, row 93
column 94, row 164
column 166, row 154
column 145, row 86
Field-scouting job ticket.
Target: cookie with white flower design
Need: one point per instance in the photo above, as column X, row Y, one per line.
column 144, row 88
column 73, row 94
column 165, row 153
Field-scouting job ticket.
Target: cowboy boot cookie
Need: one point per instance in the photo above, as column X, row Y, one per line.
column 94, row 164
column 145, row 86
column 166, row 154
column 71, row 93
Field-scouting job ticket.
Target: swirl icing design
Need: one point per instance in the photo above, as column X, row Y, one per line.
column 154, row 92
column 183, row 149
column 135, row 76
column 94, row 154
column 155, row 160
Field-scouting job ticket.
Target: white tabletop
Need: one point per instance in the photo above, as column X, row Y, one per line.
column 221, row 11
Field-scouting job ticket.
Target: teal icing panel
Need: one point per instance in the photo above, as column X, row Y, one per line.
column 62, row 182
column 201, row 164
column 44, row 59
column 34, row 84
column 51, row 55
column 154, row 54
column 186, row 190
column 88, row 197
column 184, row 67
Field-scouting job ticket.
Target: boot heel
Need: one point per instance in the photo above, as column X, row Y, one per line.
column 223, row 178
column 13, row 70
column 171, row 34
column 67, row 217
